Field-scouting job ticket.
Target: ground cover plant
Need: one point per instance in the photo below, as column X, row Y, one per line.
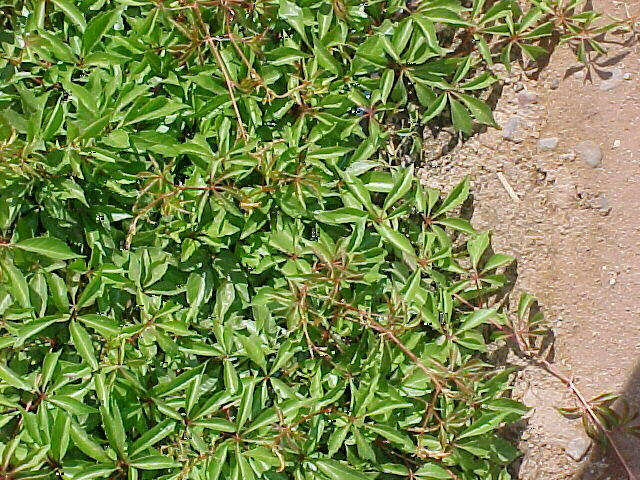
column 213, row 264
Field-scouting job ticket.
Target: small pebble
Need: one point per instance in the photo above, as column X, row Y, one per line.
column 613, row 81
column 518, row 87
column 527, row 98
column 555, row 83
column 578, row 448
column 590, row 153
column 605, row 205
column 510, row 128
column 628, row 76
column 547, row 144
column 616, row 143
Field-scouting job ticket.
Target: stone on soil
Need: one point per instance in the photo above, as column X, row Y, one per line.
column 613, row 81
column 590, row 153
column 605, row 205
column 510, row 128
column 578, row 448
column 547, row 144
column 527, row 98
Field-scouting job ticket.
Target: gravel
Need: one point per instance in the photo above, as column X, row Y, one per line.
column 590, row 153
column 548, row 144
column 578, row 448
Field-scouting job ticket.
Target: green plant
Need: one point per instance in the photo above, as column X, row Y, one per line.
column 212, row 266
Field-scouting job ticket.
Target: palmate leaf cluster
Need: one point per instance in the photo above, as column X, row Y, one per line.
column 212, row 267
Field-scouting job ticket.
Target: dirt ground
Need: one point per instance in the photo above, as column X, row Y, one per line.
column 575, row 231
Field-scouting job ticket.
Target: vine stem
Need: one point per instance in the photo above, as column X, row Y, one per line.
column 223, row 68
column 584, row 404
column 229, row 83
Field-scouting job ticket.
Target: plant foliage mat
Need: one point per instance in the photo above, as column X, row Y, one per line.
column 212, row 266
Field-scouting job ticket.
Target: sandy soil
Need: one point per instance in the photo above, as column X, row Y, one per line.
column 575, row 232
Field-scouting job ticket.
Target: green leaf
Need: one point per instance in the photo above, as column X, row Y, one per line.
column 71, row 405
column 246, row 402
column 401, row 186
column 477, row 246
column 54, row 121
column 341, row 215
column 19, row 287
column 337, row 438
column 443, row 15
column 456, row 197
column 217, row 425
column 364, row 151
column 95, row 471
column 293, row 15
column 460, row 117
column 477, row 318
column 58, row 291
column 339, row 471
column 154, row 462
column 71, row 12
column 436, row 107
column 325, row 59
column 483, row 425
column 479, row 82
column 433, row 471
column 364, row 448
column 153, row 436
column 90, row 292
column 34, row 327
column 12, row 379
column 82, row 342
column 460, row 224
column 86, row 444
column 225, row 296
column 359, row 191
column 180, row 382
column 230, row 376
column 533, row 51
column 526, row 300
column 60, row 50
column 285, row 56
column 217, row 462
column 496, row 261
column 48, row 247
column 396, row 437
column 60, row 435
column 480, row 110
column 396, row 239
column 97, row 28
column 113, row 427
column 195, row 290
column 103, row 325
column 254, row 350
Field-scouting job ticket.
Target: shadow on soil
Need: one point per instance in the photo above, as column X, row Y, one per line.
column 603, row 465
